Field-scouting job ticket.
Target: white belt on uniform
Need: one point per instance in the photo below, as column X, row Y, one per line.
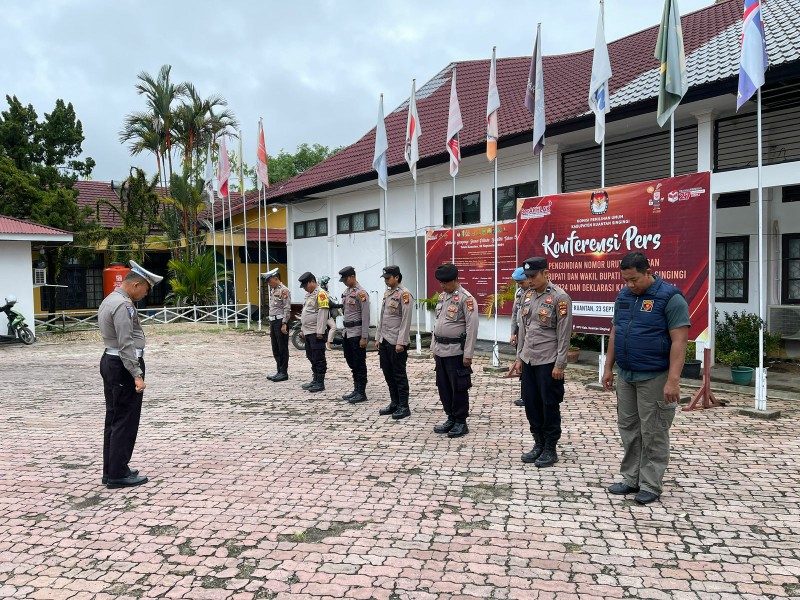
column 115, row 352
column 275, row 317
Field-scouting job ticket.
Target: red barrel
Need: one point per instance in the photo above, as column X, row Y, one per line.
column 113, row 276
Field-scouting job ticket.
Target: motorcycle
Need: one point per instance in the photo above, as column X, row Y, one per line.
column 17, row 329
column 299, row 340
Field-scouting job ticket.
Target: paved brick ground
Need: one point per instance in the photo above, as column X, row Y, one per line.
column 260, row 490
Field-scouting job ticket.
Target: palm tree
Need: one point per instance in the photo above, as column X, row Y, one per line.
column 140, row 132
column 193, row 282
column 160, row 93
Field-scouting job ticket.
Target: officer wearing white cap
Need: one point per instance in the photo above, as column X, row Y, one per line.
column 544, row 333
column 122, row 369
column 522, row 285
column 280, row 311
column 453, row 345
column 355, row 315
column 392, row 340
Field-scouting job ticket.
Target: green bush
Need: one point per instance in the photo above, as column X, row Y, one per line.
column 736, row 339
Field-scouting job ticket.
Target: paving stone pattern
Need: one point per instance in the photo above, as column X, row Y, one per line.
column 261, row 490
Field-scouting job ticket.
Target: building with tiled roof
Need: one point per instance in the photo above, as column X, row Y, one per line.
column 336, row 211
column 20, row 262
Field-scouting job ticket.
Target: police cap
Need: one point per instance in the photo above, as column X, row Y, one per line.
column 391, row 270
column 518, row 274
column 305, row 278
column 270, row 274
column 446, row 272
column 345, row 273
column 534, row 264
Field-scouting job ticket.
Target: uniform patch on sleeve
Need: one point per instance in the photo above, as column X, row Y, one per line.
column 562, row 308
column 285, row 293
column 470, row 304
column 131, row 310
column 363, row 296
column 322, row 300
column 406, row 297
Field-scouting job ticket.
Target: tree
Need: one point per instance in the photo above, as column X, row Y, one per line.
column 193, row 282
column 285, row 165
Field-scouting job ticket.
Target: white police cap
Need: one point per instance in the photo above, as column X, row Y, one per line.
column 270, row 274
column 151, row 278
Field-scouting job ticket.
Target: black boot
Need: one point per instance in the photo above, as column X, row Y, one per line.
column 549, row 457
column 280, row 377
column 445, row 427
column 403, row 411
column 519, row 402
column 458, row 430
column 319, row 386
column 393, row 406
column 360, row 393
column 273, row 376
column 351, row 394
column 311, row 383
column 536, row 451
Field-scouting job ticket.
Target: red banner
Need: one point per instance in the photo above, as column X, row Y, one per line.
column 584, row 235
column 474, row 259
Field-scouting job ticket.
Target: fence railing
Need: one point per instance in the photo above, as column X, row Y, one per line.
column 86, row 320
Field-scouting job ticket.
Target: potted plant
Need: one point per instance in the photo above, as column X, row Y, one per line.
column 573, row 354
column 691, row 366
column 737, row 344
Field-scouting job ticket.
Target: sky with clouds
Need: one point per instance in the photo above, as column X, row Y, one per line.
column 313, row 69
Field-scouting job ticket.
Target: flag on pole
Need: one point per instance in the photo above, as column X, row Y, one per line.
column 262, row 172
column 454, row 125
column 223, row 168
column 413, row 131
column 599, row 99
column 534, row 94
column 381, row 146
column 240, row 167
column 669, row 52
column 492, row 106
column 754, row 60
column 209, row 174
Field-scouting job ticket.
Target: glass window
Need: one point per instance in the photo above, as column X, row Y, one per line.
column 322, row 226
column 373, row 220
column 731, row 269
column 299, row 230
column 314, row 228
column 468, row 209
column 791, row 269
column 507, row 207
column 344, row 223
column 357, row 222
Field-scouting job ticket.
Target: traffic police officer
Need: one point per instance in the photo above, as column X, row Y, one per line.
column 122, row 369
column 453, row 345
column 355, row 315
column 280, row 311
column 313, row 322
column 392, row 340
column 522, row 284
column 544, row 334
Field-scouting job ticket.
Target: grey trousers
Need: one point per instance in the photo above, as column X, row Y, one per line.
column 644, row 420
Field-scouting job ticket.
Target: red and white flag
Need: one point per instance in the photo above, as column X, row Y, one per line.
column 413, row 131
column 262, row 173
column 492, row 106
column 223, row 168
column 454, row 125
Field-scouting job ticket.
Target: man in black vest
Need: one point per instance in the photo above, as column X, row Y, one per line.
column 648, row 341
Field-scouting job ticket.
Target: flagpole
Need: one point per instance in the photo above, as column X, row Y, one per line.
column 672, row 145
column 495, row 350
column 233, row 260
column 214, row 245
column 386, row 225
column 761, row 374
column 258, row 210
column 224, row 260
column 453, row 222
column 416, row 264
column 244, row 221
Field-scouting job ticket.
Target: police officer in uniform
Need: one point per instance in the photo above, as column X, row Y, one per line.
column 355, row 315
column 313, row 322
column 544, row 334
column 453, row 345
column 392, row 340
column 280, row 311
column 122, row 369
column 522, row 285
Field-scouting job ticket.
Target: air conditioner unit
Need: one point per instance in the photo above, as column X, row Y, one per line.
column 785, row 320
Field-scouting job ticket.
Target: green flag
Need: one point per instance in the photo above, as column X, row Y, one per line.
column 669, row 52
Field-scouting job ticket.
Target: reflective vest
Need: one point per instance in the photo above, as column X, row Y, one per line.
column 641, row 334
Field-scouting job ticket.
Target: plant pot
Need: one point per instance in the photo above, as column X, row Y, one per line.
column 691, row 369
column 742, row 375
column 573, row 355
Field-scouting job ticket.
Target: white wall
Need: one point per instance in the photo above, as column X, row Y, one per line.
column 16, row 277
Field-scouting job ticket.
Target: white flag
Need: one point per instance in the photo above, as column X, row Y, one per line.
column 381, row 146
column 413, row 131
column 209, row 176
column 223, row 168
column 599, row 99
column 454, row 125
column 492, row 106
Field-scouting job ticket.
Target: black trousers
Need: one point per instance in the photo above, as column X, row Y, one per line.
column 315, row 353
column 454, row 380
column 393, row 365
column 123, row 411
column 356, row 358
column 280, row 345
column 542, row 396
